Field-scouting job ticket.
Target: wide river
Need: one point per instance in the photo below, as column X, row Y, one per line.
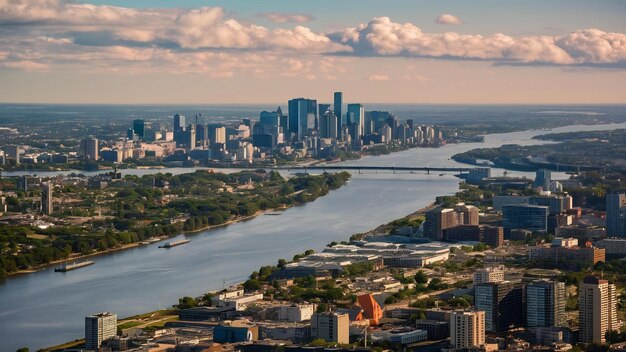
column 46, row 308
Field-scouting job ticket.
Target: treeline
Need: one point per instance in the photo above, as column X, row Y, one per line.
column 138, row 215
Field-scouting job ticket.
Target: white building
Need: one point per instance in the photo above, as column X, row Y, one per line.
column 296, row 313
column 99, row 327
column 492, row 274
column 467, row 329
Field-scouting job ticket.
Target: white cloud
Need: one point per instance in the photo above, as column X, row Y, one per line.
column 447, row 19
column 278, row 17
column 378, row 78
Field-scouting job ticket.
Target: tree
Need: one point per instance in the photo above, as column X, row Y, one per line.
column 23, row 349
column 420, row 277
column 186, row 302
column 252, row 285
column 282, row 263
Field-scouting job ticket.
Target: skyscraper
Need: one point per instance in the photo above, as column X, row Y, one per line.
column 531, row 217
column 13, row 152
column 616, row 215
column 139, row 128
column 543, row 179
column 545, row 304
column 467, row 329
column 597, row 310
column 89, row 148
column 99, row 327
column 302, row 116
column 356, row 117
column 46, row 198
column 328, row 125
column 503, row 304
column 179, row 123
column 337, row 108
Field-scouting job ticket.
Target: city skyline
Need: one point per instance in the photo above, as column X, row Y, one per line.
column 113, row 51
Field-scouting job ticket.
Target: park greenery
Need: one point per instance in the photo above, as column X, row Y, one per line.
column 136, row 209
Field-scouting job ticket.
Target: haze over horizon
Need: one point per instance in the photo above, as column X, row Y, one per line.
column 233, row 52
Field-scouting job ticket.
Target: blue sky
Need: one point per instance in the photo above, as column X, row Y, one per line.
column 261, row 51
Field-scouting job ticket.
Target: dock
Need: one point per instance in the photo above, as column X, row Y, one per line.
column 174, row 244
column 67, row 267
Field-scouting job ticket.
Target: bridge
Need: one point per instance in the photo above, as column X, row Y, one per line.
column 361, row 168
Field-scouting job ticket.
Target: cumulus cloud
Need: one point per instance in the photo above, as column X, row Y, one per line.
column 278, row 17
column 383, row 37
column 45, row 34
column 447, row 19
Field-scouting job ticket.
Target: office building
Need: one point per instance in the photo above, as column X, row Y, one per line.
column 614, row 247
column 89, row 149
column 331, row 327
column 597, row 310
column 231, row 331
column 139, row 128
column 99, row 327
column 530, row 217
column 302, row 116
column 217, row 134
column 616, row 215
column 202, row 135
column 545, row 304
column 490, row 274
column 435, row 329
column 566, row 254
column 493, row 236
column 179, row 123
column 328, row 125
column 46, row 198
column 356, row 117
column 13, row 152
column 438, row 220
column 543, row 179
column 467, row 329
column 337, row 108
column 503, row 304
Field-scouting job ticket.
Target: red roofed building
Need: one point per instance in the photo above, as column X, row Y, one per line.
column 372, row 309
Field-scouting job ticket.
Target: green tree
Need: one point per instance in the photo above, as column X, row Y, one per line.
column 420, row 277
column 186, row 302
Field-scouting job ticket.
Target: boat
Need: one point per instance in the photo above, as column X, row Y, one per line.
column 67, row 267
column 273, row 214
column 174, row 244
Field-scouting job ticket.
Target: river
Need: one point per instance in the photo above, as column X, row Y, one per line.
column 46, row 308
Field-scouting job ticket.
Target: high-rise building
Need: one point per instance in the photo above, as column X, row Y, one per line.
column 438, row 220
column 179, row 123
column 302, row 116
column 545, row 304
column 217, row 134
column 493, row 236
column 13, row 152
column 99, row 327
column 202, row 135
column 139, row 128
column 328, row 125
column 597, row 310
column 356, row 117
column 616, row 215
column 530, row 217
column 46, row 198
column 503, row 304
column 89, row 148
column 467, row 329
column 331, row 327
column 543, row 179
column 337, row 108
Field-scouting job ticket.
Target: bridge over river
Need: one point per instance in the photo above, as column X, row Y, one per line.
column 361, row 168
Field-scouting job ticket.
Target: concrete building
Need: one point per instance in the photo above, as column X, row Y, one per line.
column 436, row 330
column 545, row 304
column 616, row 215
column 614, row 247
column 331, row 327
column 46, row 198
column 467, row 329
column 597, row 304
column 566, row 254
column 493, row 236
column 99, row 327
column 89, row 149
column 13, row 152
column 296, row 313
column 503, row 304
column 338, row 110
column 491, row 274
